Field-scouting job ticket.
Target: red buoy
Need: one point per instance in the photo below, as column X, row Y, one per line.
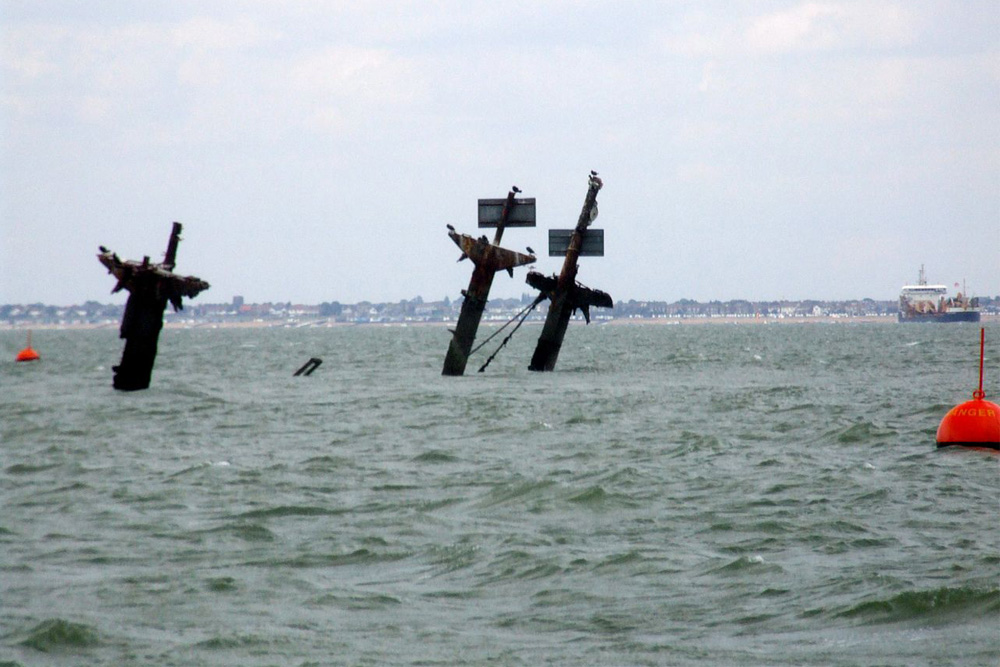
column 27, row 354
column 975, row 423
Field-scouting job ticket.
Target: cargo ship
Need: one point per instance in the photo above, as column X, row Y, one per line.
column 931, row 303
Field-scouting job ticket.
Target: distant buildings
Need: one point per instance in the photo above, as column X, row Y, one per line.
column 417, row 310
column 739, row 308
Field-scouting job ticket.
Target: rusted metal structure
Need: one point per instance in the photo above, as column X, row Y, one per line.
column 488, row 258
column 150, row 287
column 565, row 294
column 308, row 367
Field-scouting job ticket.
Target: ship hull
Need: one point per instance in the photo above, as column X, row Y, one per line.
column 949, row 316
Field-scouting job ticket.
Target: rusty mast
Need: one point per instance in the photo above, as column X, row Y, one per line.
column 565, row 294
column 150, row 287
column 488, row 258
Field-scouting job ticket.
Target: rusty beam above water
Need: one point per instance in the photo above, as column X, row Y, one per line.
column 487, row 258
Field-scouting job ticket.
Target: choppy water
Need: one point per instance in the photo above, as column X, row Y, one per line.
column 671, row 495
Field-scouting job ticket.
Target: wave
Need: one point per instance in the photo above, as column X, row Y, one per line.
column 863, row 432
column 859, row 432
column 233, row 642
column 593, row 496
column 746, row 565
column 250, row 532
column 289, row 510
column 690, row 442
column 435, row 456
column 357, row 602
column 452, row 558
column 505, row 494
column 356, row 557
column 518, row 565
column 583, row 419
column 27, row 469
column 58, row 635
column 943, row 605
column 221, row 584
column 327, row 463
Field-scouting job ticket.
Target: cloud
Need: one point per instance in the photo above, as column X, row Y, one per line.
column 700, row 173
column 362, row 74
column 813, row 27
column 25, row 61
column 324, row 122
column 710, row 79
column 807, row 27
column 208, row 34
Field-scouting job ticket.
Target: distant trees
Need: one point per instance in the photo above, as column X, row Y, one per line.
column 330, row 309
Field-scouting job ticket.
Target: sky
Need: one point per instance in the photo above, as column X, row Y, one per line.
column 315, row 150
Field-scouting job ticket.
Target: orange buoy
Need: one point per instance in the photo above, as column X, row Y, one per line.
column 27, row 354
column 975, row 423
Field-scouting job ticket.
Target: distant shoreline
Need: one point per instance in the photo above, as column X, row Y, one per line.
column 987, row 318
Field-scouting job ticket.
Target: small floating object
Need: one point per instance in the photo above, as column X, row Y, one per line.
column 975, row 423
column 28, row 353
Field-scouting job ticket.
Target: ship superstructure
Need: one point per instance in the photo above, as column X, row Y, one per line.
column 931, row 303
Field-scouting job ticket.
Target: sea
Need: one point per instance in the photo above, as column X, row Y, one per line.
column 718, row 494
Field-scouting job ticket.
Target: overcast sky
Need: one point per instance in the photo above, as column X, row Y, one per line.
column 315, row 150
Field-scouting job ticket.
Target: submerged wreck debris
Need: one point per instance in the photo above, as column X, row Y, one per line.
column 488, row 258
column 308, row 367
column 150, row 287
column 565, row 294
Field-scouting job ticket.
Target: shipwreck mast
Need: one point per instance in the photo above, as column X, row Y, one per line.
column 488, row 258
column 150, row 287
column 564, row 293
